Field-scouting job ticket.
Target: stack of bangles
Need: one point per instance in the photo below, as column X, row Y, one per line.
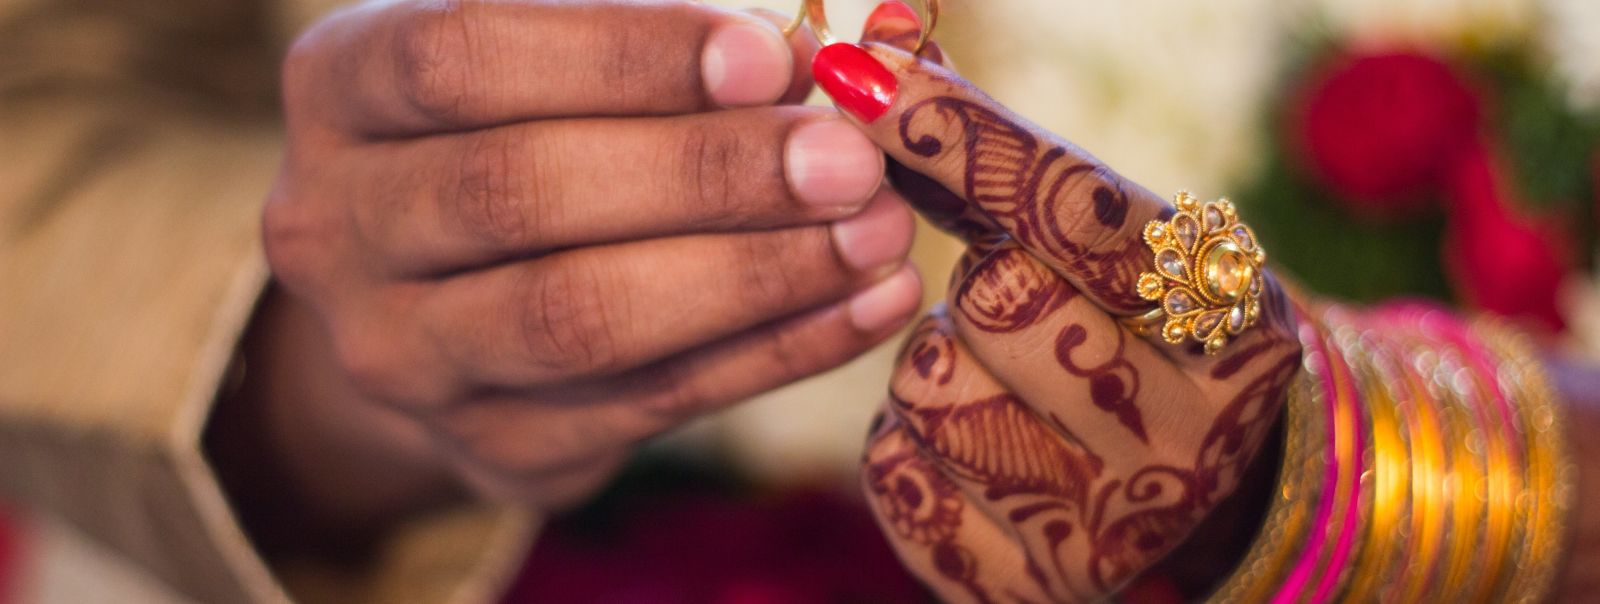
column 1423, row 461
column 1423, row 455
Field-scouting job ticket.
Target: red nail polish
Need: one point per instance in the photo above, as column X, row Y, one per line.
column 857, row 82
column 893, row 9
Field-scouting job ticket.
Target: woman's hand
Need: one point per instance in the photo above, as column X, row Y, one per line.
column 1033, row 448
column 531, row 234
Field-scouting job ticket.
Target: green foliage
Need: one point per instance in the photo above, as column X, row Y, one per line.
column 1309, row 234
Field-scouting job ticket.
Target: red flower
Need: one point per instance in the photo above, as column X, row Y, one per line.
column 1499, row 260
column 1381, row 128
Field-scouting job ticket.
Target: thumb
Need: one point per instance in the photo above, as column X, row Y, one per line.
column 1055, row 199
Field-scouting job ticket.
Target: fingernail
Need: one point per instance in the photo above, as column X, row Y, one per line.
column 893, row 9
column 888, row 303
column 831, row 163
column 878, row 237
column 745, row 64
column 857, row 82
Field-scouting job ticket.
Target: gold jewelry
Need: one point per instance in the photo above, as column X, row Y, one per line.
column 817, row 13
column 1208, row 273
column 1290, row 514
column 1465, row 480
column 1381, row 558
column 1545, row 499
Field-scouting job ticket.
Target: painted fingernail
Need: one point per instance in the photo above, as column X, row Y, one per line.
column 830, row 162
column 745, row 64
column 888, row 303
column 857, row 82
column 893, row 9
column 878, row 237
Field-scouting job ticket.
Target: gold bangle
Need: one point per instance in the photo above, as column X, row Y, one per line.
column 1546, row 500
column 1299, row 488
column 1382, row 557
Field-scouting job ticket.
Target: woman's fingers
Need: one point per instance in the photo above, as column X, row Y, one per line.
column 1029, row 470
column 1058, row 201
column 415, row 67
column 1059, row 352
column 941, row 532
column 467, row 200
column 604, row 310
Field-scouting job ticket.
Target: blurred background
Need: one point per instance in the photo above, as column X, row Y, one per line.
column 1445, row 149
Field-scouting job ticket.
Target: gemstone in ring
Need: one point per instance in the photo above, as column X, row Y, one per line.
column 1208, row 273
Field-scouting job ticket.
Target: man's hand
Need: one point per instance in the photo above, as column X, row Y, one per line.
column 527, row 235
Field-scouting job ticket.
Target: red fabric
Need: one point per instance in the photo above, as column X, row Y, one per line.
column 1380, row 129
column 711, row 549
column 9, row 546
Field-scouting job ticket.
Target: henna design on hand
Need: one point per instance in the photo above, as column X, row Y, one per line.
column 923, row 506
column 1051, row 485
column 1113, row 385
column 999, row 443
column 1008, row 291
column 1042, row 217
column 1032, row 193
column 929, row 350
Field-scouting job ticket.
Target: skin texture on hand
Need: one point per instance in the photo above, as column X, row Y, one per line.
column 529, row 234
column 1032, row 448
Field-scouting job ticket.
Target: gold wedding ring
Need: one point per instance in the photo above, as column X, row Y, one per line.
column 1208, row 274
column 817, row 13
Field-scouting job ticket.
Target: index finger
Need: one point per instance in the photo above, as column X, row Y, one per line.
column 420, row 67
column 1056, row 200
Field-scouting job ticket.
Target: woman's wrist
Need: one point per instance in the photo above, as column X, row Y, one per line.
column 1219, row 544
column 310, row 469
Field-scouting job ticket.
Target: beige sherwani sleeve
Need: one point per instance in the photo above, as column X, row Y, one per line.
column 137, row 141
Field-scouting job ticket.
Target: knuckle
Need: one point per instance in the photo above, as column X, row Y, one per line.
column 292, row 237
column 378, row 370
column 708, row 166
column 631, row 56
column 789, row 356
column 763, row 281
column 298, row 68
column 433, row 67
column 488, row 194
column 680, row 393
column 564, row 321
column 1078, row 216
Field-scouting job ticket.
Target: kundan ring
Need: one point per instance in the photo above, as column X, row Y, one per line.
column 1208, row 274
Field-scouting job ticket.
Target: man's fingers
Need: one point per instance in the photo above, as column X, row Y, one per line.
column 413, row 67
column 612, row 413
column 604, row 310
column 803, row 45
column 1059, row 202
column 514, row 191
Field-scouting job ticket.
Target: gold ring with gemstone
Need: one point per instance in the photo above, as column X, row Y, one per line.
column 817, row 12
column 1208, row 274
